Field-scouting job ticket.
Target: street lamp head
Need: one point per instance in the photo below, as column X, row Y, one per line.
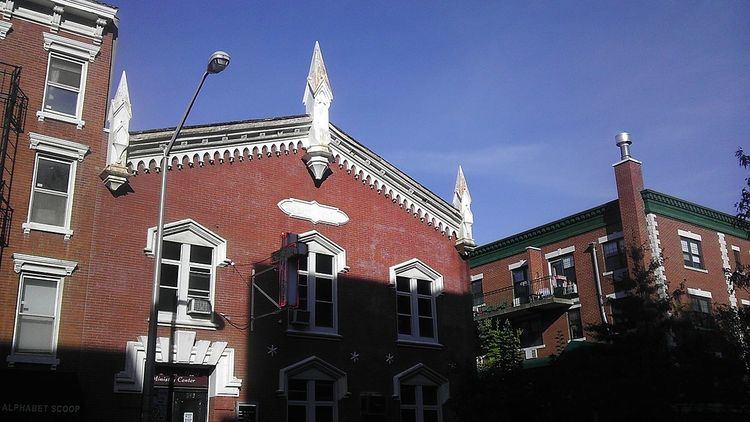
column 218, row 62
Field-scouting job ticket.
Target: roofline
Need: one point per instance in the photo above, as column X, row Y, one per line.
column 690, row 212
column 212, row 125
column 572, row 225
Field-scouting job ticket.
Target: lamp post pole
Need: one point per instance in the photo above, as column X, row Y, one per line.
column 218, row 62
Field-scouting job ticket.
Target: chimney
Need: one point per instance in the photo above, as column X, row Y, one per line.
column 629, row 180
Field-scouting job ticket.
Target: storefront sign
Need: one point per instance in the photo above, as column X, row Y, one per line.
column 184, row 379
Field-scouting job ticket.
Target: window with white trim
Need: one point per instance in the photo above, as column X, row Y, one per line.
column 477, row 291
column 185, row 288
column 416, row 285
column 190, row 257
column 575, row 325
column 317, row 311
column 419, row 403
column 51, row 193
column 63, row 93
column 51, row 201
column 615, row 256
column 37, row 319
column 311, row 400
column 691, row 252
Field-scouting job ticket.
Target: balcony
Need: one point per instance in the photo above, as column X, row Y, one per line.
column 527, row 297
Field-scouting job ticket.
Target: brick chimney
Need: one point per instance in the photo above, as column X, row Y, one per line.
column 629, row 179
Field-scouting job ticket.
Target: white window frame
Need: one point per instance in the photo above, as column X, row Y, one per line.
column 414, row 269
column 310, row 403
column 420, row 375
column 314, row 368
column 74, row 51
column 31, row 266
column 480, row 278
column 60, row 150
column 317, row 243
column 188, row 232
column 691, row 240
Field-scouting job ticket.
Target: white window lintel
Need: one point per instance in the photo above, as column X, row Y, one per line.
column 699, row 292
column 689, row 235
column 208, row 238
column 69, row 47
column 43, row 265
column 425, row 376
column 476, row 277
column 517, row 265
column 57, row 146
column 560, row 252
column 415, row 267
column 611, row 236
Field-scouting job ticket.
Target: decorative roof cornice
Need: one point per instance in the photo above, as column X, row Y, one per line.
column 237, row 140
column 573, row 225
column 267, row 137
column 396, row 185
column 679, row 209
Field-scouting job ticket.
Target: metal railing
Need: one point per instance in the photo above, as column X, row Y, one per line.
column 525, row 292
column 13, row 105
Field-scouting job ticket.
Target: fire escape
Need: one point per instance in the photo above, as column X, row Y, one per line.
column 13, row 103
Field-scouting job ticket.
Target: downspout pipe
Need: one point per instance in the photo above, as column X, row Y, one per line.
column 598, row 278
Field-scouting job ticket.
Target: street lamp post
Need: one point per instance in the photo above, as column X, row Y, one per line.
column 216, row 63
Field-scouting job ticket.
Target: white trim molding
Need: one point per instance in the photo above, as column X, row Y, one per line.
column 58, row 147
column 619, row 295
column 421, row 374
column 689, row 235
column 313, row 211
column 476, row 277
column 414, row 268
column 184, row 350
column 69, row 47
column 560, row 252
column 313, row 367
column 652, row 226
column 175, row 230
column 516, row 265
column 43, row 265
column 4, row 29
column 699, row 292
column 745, row 302
column 611, row 236
column 726, row 266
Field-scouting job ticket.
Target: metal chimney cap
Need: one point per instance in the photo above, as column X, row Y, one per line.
column 623, row 138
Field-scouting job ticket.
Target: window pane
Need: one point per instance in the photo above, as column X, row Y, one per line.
column 324, row 390
column 403, row 304
column 302, row 263
column 171, row 250
column 200, row 279
column 61, row 100
column 39, row 297
column 323, row 263
column 430, row 415
column 425, row 307
column 429, row 395
column 296, row 413
column 684, row 245
column 167, row 299
column 323, row 413
column 324, row 314
column 519, row 275
column 34, row 334
column 169, row 275
column 408, row 415
column 297, row 389
column 574, row 323
column 49, row 209
column 423, row 287
column 52, row 175
column 65, row 72
column 201, row 254
column 404, row 324
column 403, row 284
column 408, row 395
column 324, row 289
column 425, row 328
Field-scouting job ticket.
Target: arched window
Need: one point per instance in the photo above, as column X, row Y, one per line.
column 313, row 389
column 421, row 393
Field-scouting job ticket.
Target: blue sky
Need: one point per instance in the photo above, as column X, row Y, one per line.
column 526, row 96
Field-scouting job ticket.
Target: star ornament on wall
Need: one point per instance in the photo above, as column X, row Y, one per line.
column 354, row 356
column 272, row 350
column 389, row 358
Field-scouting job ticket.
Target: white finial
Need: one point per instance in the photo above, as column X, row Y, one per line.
column 317, row 100
column 120, row 113
column 462, row 202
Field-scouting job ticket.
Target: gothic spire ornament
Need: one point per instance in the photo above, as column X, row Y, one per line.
column 317, row 100
column 116, row 173
column 462, row 202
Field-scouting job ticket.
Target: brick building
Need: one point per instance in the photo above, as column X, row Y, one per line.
column 554, row 280
column 381, row 330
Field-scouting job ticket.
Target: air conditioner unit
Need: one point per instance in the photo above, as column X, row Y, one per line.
column 246, row 412
column 372, row 404
column 300, row 317
column 531, row 353
column 198, row 306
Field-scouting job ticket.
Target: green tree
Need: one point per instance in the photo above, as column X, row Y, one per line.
column 500, row 347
